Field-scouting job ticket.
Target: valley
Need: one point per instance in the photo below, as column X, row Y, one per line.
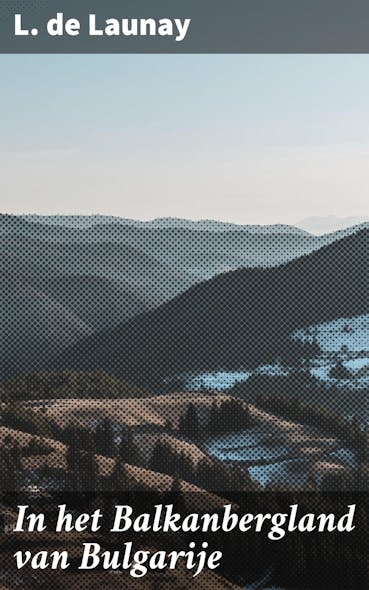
column 100, row 273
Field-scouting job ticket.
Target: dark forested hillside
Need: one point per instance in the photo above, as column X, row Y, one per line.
column 237, row 318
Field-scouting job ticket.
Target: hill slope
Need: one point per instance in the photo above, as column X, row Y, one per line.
column 33, row 325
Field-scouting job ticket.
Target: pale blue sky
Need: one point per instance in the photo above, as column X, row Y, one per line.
column 252, row 139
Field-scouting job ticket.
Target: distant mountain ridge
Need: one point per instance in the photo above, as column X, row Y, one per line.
column 82, row 221
column 330, row 223
column 321, row 228
column 312, row 225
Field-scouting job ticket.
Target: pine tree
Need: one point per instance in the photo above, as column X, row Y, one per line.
column 129, row 451
column 176, row 485
column 73, row 457
column 190, row 425
column 156, row 461
column 120, row 479
column 214, row 426
column 104, row 439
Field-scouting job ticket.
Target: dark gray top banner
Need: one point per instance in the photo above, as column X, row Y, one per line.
column 184, row 26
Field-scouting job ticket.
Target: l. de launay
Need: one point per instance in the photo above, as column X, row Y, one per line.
column 137, row 27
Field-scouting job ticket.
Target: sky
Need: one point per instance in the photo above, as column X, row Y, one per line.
column 243, row 138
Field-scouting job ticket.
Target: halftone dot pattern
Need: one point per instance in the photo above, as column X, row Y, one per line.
column 199, row 359
column 69, row 283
